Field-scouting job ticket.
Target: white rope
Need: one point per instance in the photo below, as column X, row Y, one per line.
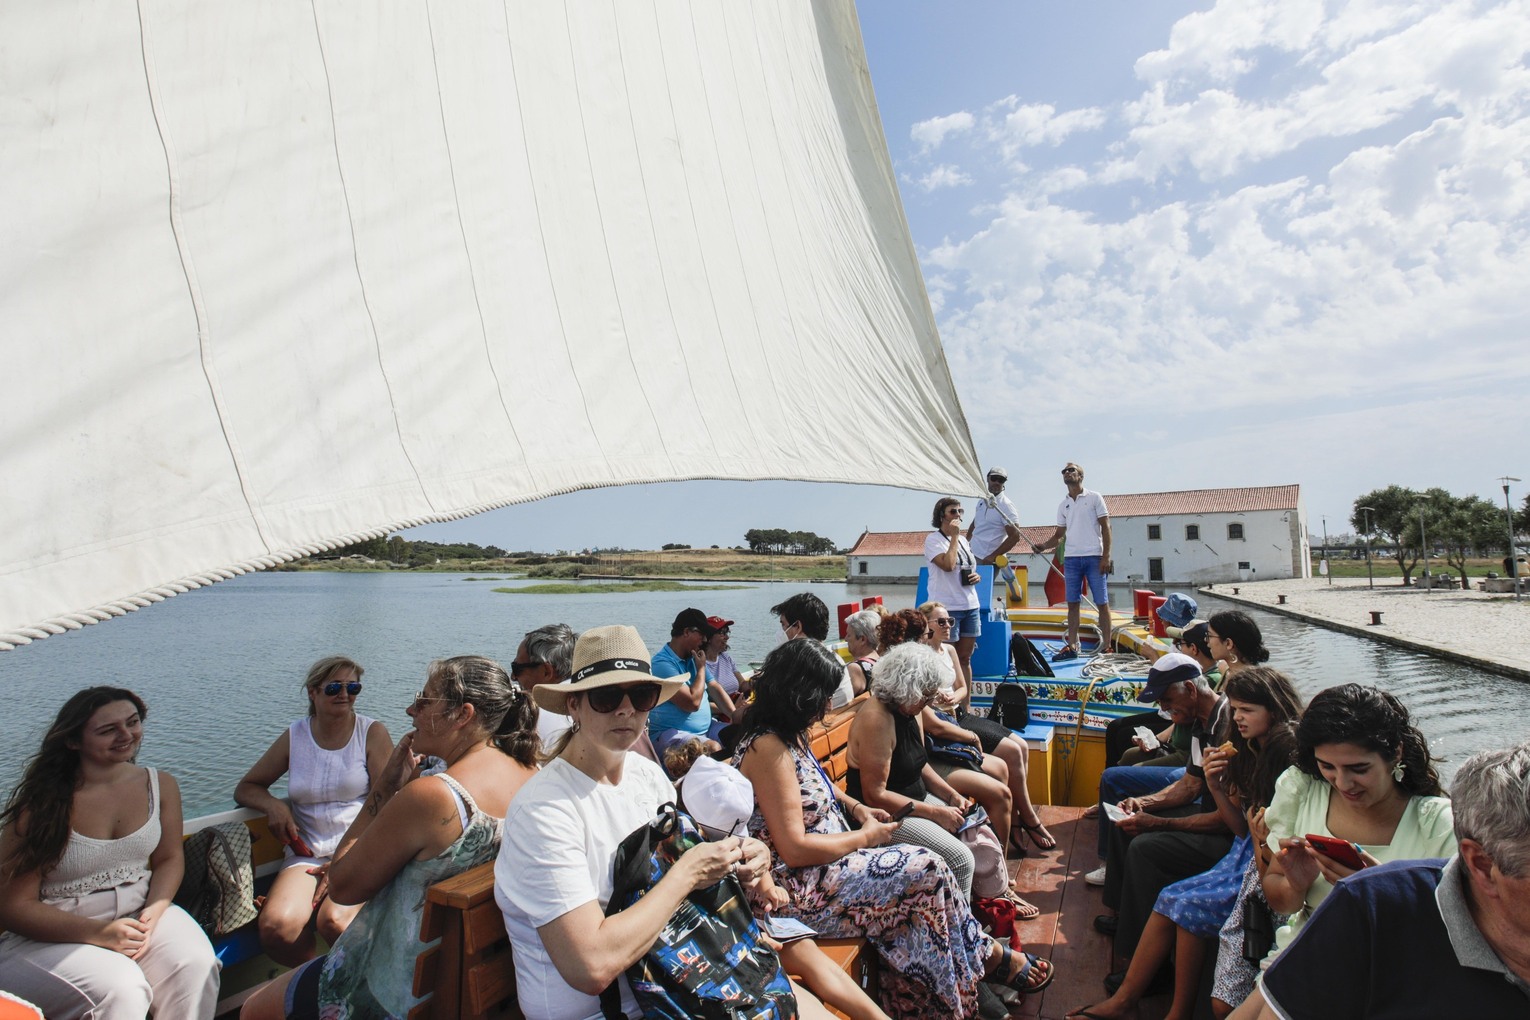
column 1110, row 664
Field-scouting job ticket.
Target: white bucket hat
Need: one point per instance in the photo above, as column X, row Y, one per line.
column 719, row 797
column 605, row 657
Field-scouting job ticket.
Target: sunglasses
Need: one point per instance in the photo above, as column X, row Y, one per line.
column 517, row 668
column 420, row 701
column 334, row 687
column 608, row 699
column 942, row 621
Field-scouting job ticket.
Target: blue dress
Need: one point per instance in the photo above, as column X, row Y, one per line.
column 1199, row 904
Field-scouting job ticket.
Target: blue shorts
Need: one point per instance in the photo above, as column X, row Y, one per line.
column 302, row 999
column 965, row 623
column 1078, row 568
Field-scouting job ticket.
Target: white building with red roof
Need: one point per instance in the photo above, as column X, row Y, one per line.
column 1190, row 537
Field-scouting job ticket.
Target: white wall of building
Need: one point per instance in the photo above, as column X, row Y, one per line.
column 1271, row 546
column 881, row 568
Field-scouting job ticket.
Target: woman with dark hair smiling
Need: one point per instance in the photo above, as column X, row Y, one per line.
column 848, row 882
column 1235, row 641
column 90, row 857
column 1363, row 774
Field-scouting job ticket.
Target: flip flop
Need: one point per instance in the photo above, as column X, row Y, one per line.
column 1092, row 811
column 1038, row 834
column 1023, row 911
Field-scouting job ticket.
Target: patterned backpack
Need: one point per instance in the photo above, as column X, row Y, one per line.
column 709, row 960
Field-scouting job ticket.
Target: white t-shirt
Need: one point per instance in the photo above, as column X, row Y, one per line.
column 560, row 838
column 989, row 523
column 1081, row 517
column 946, row 585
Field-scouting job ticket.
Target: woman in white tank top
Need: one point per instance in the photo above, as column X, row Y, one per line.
column 329, row 758
column 90, row 856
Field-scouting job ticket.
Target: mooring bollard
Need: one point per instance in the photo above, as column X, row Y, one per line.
column 1281, row 598
column 1375, row 618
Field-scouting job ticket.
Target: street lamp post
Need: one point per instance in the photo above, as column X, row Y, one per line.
column 1370, row 578
column 1326, row 568
column 1423, row 545
column 1508, row 509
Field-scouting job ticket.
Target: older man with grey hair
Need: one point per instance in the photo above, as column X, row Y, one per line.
column 1425, row 938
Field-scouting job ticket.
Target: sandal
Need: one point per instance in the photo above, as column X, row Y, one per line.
column 1038, row 833
column 1024, row 911
column 1023, row 980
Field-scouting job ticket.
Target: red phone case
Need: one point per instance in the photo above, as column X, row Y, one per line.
column 1336, row 850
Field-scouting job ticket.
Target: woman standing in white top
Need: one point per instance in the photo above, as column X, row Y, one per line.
column 90, row 856
column 954, row 578
column 329, row 758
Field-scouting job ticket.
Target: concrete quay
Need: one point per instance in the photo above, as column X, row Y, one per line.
column 1486, row 630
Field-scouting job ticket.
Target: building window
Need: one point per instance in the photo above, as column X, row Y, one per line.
column 1243, row 565
column 1192, row 533
column 1155, row 568
column 863, row 566
column 1155, row 532
column 1235, row 532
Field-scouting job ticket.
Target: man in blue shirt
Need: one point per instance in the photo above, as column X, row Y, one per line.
column 689, row 713
column 1425, row 938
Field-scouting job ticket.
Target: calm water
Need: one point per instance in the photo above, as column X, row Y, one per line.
column 222, row 668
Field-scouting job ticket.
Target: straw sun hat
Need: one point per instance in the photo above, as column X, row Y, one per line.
column 605, row 657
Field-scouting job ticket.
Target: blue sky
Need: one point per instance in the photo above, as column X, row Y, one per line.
column 1186, row 245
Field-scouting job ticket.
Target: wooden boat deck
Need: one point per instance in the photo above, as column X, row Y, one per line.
column 1054, row 881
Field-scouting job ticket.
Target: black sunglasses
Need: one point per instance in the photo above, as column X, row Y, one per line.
column 517, row 668
column 334, row 687
column 609, row 699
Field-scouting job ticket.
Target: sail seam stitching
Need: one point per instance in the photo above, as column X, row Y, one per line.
column 193, row 287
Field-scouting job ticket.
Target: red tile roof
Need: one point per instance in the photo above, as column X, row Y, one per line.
column 1138, row 504
column 1204, row 501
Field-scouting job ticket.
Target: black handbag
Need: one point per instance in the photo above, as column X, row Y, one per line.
column 1011, row 706
column 1258, row 929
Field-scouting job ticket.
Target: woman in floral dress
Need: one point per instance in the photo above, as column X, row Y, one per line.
column 848, row 882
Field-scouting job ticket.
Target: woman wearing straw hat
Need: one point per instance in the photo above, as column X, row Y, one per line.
column 553, row 877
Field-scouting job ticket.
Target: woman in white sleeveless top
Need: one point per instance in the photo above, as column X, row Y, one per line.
column 329, row 758
column 90, row 857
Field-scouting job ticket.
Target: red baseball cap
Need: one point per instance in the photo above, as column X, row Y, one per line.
column 718, row 623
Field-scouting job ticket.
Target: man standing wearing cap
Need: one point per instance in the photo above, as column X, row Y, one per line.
column 689, row 713
column 995, row 524
column 1176, row 832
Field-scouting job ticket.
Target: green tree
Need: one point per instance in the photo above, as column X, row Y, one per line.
column 1393, row 518
column 1464, row 526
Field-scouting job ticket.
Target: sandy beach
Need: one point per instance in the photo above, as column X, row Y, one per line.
column 1491, row 631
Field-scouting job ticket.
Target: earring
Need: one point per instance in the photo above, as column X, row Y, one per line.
column 1397, row 771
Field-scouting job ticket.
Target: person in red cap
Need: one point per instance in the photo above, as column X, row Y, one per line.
column 725, row 684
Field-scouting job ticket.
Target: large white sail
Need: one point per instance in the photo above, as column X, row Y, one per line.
column 278, row 276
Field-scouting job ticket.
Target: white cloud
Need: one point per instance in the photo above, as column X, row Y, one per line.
column 931, row 133
column 944, row 176
column 1015, row 126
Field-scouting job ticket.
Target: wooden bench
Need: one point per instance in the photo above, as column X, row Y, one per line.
column 470, row 973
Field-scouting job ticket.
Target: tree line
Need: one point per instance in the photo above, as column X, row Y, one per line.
column 1409, row 521
column 397, row 549
column 788, row 543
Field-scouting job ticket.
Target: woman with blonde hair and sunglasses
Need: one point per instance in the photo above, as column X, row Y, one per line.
column 329, row 758
column 414, row 831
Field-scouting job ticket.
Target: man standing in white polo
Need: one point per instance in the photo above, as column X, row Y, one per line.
column 1085, row 522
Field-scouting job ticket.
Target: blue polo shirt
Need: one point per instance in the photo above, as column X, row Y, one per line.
column 1396, row 940
column 670, row 716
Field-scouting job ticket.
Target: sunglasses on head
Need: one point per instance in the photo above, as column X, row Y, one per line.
column 334, row 687
column 609, row 699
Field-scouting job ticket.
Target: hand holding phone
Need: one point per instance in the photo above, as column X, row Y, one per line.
column 1337, row 850
column 903, row 812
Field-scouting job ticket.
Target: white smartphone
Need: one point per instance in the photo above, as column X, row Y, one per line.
column 1114, row 813
column 1148, row 737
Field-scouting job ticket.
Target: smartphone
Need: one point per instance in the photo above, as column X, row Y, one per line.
column 1345, row 853
column 903, row 812
column 301, row 848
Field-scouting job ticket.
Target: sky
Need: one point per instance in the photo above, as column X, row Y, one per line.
column 1187, row 245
